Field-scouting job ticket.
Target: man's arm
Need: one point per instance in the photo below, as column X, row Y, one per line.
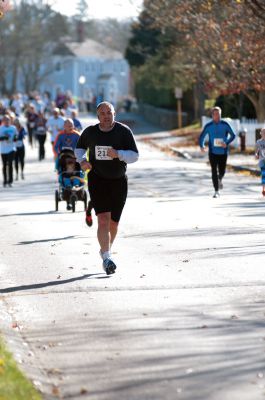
column 128, row 156
column 81, row 153
column 202, row 138
column 232, row 135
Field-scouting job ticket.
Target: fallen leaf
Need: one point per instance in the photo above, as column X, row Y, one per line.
column 83, row 391
column 56, row 391
column 54, row 371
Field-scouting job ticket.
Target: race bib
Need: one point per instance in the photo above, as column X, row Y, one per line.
column 101, row 152
column 218, row 142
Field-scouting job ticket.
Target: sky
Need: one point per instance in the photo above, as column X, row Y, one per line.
column 119, row 9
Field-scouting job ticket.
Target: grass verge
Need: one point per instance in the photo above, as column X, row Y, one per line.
column 13, row 384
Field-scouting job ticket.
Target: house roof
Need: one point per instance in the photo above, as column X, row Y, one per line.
column 88, row 48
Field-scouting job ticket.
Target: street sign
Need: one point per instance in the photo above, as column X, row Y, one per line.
column 178, row 93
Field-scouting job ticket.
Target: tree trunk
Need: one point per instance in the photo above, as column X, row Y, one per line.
column 260, row 110
column 258, row 101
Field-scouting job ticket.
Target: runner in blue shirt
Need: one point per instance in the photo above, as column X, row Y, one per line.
column 220, row 135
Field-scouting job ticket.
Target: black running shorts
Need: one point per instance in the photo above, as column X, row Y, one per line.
column 108, row 195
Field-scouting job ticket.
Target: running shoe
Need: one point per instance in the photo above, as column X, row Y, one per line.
column 109, row 266
column 216, row 195
column 89, row 220
column 69, row 206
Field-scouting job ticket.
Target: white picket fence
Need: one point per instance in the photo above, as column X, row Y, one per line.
column 249, row 124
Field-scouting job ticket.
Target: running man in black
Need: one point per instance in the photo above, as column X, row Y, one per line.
column 111, row 147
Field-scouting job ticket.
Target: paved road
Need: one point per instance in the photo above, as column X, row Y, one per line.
column 182, row 318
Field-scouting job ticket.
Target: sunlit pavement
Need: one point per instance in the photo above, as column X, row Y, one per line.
column 183, row 317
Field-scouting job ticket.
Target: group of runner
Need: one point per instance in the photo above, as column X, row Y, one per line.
column 104, row 150
column 42, row 118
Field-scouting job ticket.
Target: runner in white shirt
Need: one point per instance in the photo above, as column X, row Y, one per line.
column 8, row 136
column 55, row 124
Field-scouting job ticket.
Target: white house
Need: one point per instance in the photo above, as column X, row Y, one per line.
column 88, row 68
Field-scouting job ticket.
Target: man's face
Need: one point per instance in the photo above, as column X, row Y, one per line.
column 6, row 121
column 106, row 116
column 216, row 116
column 68, row 126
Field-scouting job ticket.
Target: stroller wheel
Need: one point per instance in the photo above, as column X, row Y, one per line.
column 56, row 200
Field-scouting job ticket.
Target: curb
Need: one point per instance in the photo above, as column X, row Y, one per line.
column 237, row 168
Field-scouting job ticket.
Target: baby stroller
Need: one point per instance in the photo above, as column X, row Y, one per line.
column 71, row 181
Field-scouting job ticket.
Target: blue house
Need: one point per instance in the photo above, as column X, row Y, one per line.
column 88, row 69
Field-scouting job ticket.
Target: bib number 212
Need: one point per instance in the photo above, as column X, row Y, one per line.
column 101, row 152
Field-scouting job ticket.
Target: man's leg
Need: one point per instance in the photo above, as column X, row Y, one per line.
column 4, row 161
column 16, row 162
column 222, row 165
column 113, row 231
column 213, row 163
column 10, row 167
column 103, row 233
column 107, row 231
column 104, row 239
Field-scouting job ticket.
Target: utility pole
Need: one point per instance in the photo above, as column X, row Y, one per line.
column 178, row 96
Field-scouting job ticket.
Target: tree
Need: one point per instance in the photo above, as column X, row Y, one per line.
column 27, row 37
column 82, row 10
column 144, row 41
column 221, row 41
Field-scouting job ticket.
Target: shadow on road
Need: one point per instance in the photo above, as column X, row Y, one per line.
column 45, row 240
column 26, row 214
column 48, row 284
column 176, row 351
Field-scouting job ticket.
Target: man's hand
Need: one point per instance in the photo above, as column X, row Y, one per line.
column 85, row 165
column 203, row 149
column 112, row 153
column 224, row 145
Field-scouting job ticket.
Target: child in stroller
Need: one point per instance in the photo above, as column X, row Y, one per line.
column 71, row 181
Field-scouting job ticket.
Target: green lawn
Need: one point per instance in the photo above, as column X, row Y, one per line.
column 13, row 384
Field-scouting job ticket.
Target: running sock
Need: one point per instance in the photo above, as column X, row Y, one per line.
column 105, row 255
